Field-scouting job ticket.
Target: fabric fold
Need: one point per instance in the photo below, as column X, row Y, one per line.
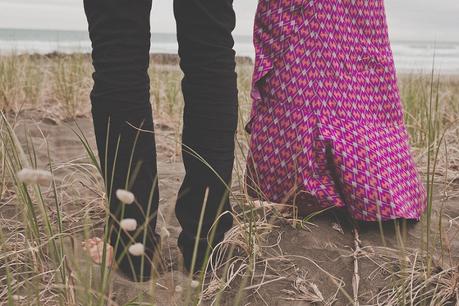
column 327, row 124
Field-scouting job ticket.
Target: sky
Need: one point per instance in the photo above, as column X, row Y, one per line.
column 426, row 20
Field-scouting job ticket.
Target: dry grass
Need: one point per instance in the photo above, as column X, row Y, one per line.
column 39, row 225
column 411, row 283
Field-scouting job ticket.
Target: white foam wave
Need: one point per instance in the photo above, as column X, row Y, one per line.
column 408, row 56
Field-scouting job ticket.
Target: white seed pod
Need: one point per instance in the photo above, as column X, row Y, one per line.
column 137, row 249
column 34, row 176
column 129, row 225
column 18, row 298
column 126, row 197
column 194, row 284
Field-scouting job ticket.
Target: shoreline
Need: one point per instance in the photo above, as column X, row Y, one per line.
column 164, row 58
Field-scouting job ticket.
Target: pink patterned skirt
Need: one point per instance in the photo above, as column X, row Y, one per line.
column 327, row 124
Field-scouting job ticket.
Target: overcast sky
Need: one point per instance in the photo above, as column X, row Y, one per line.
column 408, row 19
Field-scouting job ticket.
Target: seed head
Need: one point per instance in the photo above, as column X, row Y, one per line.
column 129, row 225
column 126, row 197
column 34, row 176
column 137, row 249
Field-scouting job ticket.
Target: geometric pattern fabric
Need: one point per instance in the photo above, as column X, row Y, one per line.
column 327, row 121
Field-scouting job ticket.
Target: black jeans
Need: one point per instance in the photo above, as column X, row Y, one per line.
column 120, row 35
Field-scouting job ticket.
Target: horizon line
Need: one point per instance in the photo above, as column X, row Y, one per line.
column 235, row 34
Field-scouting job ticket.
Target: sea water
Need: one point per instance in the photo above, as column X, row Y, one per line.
column 410, row 56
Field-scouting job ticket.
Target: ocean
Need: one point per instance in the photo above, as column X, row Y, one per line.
column 410, row 56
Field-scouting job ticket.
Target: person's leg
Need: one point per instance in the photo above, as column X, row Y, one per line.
column 210, row 119
column 120, row 35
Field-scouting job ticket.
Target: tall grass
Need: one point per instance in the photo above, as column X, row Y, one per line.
column 70, row 83
column 42, row 237
column 419, row 278
column 39, row 259
column 21, row 82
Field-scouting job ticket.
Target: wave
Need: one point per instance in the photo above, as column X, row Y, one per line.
column 409, row 56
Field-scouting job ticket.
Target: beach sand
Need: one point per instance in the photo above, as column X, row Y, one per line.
column 324, row 246
column 297, row 263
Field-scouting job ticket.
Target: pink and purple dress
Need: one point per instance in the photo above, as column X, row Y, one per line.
column 327, row 124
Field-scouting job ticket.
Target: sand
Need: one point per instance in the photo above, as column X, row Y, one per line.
column 295, row 263
column 320, row 253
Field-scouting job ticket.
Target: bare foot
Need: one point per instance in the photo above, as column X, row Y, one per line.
column 95, row 249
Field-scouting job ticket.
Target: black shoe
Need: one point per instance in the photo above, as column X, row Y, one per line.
column 187, row 248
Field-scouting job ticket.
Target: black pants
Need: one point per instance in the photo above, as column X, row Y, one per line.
column 120, row 35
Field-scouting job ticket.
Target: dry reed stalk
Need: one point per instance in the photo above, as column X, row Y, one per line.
column 356, row 275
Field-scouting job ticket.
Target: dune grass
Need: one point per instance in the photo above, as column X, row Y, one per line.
column 40, row 262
